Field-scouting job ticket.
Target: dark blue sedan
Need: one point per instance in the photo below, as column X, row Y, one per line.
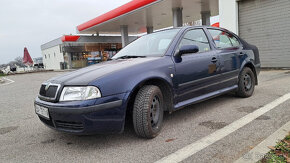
column 162, row 71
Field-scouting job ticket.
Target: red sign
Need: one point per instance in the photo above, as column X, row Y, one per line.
column 26, row 58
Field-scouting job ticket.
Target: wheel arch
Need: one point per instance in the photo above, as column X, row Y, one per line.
column 250, row 65
column 163, row 84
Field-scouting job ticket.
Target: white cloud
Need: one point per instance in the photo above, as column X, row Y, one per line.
column 31, row 23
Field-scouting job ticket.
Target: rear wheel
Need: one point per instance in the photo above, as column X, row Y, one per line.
column 246, row 83
column 148, row 111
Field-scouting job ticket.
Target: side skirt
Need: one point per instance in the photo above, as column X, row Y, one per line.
column 203, row 97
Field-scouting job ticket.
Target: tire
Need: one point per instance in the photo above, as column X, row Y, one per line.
column 148, row 111
column 246, row 84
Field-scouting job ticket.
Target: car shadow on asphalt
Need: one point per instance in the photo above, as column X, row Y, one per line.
column 128, row 136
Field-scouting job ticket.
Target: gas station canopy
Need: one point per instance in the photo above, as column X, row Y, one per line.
column 139, row 15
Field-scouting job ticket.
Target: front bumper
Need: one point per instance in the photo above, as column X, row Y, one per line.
column 98, row 116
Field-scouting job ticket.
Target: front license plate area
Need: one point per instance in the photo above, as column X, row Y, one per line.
column 42, row 111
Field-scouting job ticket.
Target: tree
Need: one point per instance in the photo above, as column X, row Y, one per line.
column 17, row 62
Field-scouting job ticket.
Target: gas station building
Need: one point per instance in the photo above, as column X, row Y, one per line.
column 262, row 23
column 75, row 51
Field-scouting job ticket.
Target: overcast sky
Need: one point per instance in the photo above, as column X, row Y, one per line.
column 31, row 23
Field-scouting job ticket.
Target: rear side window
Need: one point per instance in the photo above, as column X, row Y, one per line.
column 196, row 37
column 234, row 40
column 223, row 39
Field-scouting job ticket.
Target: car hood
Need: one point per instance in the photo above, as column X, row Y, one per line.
column 86, row 75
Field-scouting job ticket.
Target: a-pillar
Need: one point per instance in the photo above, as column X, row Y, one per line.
column 177, row 17
column 124, row 35
column 149, row 29
column 205, row 18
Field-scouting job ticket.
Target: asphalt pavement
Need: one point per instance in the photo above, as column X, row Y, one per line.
column 24, row 138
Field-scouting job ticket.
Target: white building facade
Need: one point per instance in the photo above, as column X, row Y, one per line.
column 53, row 57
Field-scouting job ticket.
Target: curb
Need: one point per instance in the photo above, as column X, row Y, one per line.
column 257, row 153
column 41, row 71
column 29, row 72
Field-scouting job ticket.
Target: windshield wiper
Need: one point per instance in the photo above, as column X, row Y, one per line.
column 130, row 56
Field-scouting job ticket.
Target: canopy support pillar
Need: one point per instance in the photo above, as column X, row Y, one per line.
column 205, row 18
column 124, row 35
column 177, row 17
column 149, row 29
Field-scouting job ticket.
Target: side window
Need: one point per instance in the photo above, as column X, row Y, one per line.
column 223, row 39
column 196, row 37
column 234, row 40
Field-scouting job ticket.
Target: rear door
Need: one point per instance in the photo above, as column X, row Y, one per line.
column 230, row 55
column 196, row 72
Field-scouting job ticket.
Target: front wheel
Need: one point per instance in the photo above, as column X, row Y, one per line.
column 246, row 83
column 148, row 111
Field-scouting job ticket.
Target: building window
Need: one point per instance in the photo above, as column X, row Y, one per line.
column 48, row 55
column 54, row 55
column 45, row 56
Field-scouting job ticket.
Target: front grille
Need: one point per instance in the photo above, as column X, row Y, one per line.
column 50, row 93
column 69, row 125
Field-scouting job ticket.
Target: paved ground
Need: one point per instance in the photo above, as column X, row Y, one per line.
column 24, row 138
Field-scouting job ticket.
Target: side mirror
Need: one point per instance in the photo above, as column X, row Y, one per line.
column 188, row 49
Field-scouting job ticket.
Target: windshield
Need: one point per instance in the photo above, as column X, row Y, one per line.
column 151, row 45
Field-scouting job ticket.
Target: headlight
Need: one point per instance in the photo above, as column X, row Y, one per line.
column 79, row 93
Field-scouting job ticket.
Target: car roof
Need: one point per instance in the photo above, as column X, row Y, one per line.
column 192, row 27
column 186, row 27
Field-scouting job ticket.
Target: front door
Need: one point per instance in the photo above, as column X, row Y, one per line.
column 196, row 72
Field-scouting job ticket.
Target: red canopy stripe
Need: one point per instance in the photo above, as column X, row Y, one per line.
column 68, row 38
column 216, row 24
column 126, row 8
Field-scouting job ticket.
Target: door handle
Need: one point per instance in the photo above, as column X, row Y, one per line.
column 214, row 59
column 241, row 53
